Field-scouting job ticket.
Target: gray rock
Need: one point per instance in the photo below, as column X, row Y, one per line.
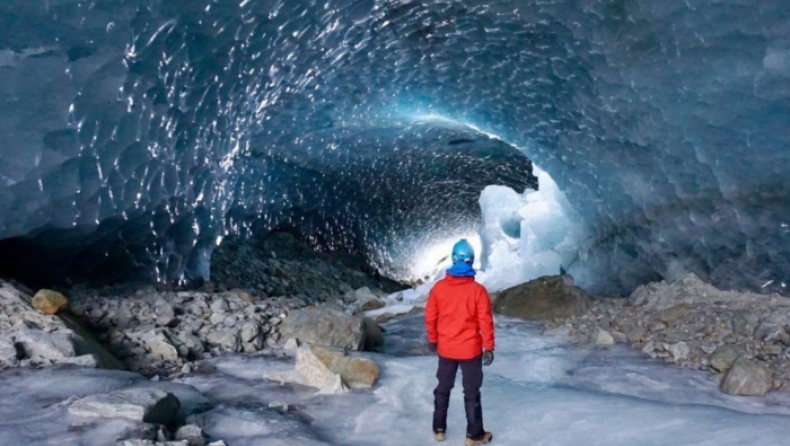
column 248, row 331
column 724, row 357
column 7, row 353
column 747, row 377
column 217, row 318
column 227, row 340
column 219, row 305
column 291, row 344
column 679, row 351
column 39, row 345
column 604, row 339
column 192, row 434
column 89, row 361
column 188, row 345
column 560, row 331
column 326, row 326
column 146, row 405
column 160, row 347
column 544, row 298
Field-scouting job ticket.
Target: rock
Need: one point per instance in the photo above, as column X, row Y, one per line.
column 649, row 348
column 146, row 405
column 40, row 345
column 544, row 298
column 679, row 351
column 248, row 331
column 374, row 336
column 217, row 318
column 188, row 345
column 192, row 434
column 159, row 346
column 316, row 373
column 561, row 331
column 89, row 361
column 226, row 339
column 291, row 344
column 367, row 300
column 672, row 315
column 157, row 442
column 747, row 377
column 604, row 339
column 49, row 302
column 8, row 353
column 636, row 335
column 356, row 372
column 219, row 305
column 724, row 357
column 326, row 326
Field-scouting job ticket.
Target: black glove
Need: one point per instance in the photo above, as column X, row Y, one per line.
column 432, row 347
column 488, row 357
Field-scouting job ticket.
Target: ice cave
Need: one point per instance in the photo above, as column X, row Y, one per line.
column 183, row 182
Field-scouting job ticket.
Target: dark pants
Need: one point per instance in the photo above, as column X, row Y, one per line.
column 472, row 374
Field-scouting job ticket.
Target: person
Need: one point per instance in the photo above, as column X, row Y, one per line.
column 461, row 331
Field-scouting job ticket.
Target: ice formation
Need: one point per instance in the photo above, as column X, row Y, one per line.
column 540, row 390
column 138, row 133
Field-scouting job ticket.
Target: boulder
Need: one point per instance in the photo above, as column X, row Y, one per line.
column 315, row 373
column 672, row 315
column 8, row 353
column 321, row 368
column 192, row 434
column 49, row 302
column 724, row 357
column 544, row 298
column 604, row 339
column 747, row 377
column 356, row 372
column 146, row 405
column 367, row 300
column 679, row 351
column 374, row 335
column 40, row 345
column 151, row 443
column 326, row 326
column 160, row 347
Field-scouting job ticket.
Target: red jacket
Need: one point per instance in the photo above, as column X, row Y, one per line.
column 458, row 318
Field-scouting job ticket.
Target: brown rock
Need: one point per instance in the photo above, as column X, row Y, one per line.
column 748, row 378
column 672, row 315
column 356, row 372
column 544, row 298
column 49, row 302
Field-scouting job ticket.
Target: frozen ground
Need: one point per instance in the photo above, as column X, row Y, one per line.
column 539, row 391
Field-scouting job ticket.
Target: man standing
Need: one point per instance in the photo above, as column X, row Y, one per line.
column 461, row 329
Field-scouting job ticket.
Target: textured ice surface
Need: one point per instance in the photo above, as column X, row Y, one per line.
column 539, row 391
column 143, row 130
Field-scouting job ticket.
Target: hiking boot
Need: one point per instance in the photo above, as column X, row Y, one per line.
column 439, row 436
column 487, row 437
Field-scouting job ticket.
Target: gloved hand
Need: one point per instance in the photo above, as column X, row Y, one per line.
column 488, row 357
column 432, row 347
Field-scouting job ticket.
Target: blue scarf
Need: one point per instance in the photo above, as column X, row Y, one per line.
column 461, row 270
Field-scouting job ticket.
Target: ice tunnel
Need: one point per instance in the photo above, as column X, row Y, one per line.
column 137, row 134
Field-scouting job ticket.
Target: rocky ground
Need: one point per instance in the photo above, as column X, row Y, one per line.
column 256, row 286
column 743, row 339
column 269, row 297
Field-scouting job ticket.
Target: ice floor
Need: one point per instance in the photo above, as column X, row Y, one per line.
column 539, row 391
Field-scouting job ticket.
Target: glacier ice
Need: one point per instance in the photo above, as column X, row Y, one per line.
column 137, row 133
column 542, row 390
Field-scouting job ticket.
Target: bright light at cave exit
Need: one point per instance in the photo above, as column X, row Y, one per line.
column 434, row 258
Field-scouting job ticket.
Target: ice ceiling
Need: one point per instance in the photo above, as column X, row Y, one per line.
column 139, row 132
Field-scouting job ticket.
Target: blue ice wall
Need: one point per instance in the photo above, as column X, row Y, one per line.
column 150, row 128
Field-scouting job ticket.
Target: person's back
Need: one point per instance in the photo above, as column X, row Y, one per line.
column 460, row 326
